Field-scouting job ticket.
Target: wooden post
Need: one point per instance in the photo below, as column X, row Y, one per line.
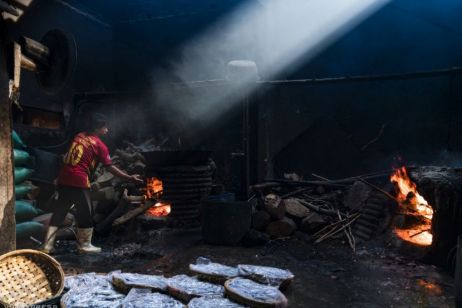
column 7, row 219
column 458, row 273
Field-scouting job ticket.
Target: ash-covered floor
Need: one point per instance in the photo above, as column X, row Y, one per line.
column 326, row 275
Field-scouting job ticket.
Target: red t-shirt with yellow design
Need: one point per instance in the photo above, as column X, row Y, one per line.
column 81, row 159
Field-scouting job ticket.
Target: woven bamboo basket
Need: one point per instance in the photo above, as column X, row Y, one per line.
column 28, row 277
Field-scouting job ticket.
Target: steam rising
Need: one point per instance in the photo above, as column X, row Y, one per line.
column 276, row 34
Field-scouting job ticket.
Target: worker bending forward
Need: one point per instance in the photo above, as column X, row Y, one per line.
column 84, row 154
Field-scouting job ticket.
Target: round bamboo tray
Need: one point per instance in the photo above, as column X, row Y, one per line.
column 29, row 276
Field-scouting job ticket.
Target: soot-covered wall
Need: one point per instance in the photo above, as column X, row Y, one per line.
column 417, row 120
column 320, row 128
column 93, row 70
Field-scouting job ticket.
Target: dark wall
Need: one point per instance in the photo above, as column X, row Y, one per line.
column 93, row 39
column 149, row 42
column 402, row 36
column 326, row 128
column 310, row 128
column 345, row 129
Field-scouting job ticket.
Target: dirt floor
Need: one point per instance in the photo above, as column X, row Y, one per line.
column 327, row 275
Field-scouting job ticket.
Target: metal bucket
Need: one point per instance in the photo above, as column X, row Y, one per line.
column 225, row 222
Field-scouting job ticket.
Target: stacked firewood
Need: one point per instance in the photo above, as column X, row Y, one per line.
column 115, row 200
column 353, row 208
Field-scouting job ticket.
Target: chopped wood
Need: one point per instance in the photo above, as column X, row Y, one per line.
column 105, row 177
column 137, row 167
column 260, row 220
column 281, row 228
column 332, row 226
column 317, row 208
column 296, row 192
column 103, row 194
column 130, row 157
column 312, row 223
column 133, row 213
column 134, row 198
column 336, row 230
column 274, row 206
column 265, row 185
column 128, row 198
column 295, row 208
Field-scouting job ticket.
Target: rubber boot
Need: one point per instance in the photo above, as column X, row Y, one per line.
column 84, row 236
column 49, row 243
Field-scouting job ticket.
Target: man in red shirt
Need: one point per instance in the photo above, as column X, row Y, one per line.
column 84, row 154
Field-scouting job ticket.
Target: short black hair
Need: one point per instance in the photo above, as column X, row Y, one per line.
column 96, row 121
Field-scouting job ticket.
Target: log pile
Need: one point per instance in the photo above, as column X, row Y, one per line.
column 115, row 201
column 353, row 208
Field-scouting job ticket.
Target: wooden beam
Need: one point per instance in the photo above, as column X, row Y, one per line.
column 36, row 51
column 7, row 197
column 8, row 8
column 16, row 65
column 28, row 64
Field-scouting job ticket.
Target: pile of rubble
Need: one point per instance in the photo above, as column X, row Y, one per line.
column 321, row 209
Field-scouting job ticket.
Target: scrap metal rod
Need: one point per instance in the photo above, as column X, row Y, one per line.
column 343, row 79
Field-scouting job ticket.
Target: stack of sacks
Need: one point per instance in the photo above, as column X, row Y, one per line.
column 26, row 192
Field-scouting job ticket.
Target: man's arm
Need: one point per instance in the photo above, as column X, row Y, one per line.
column 119, row 173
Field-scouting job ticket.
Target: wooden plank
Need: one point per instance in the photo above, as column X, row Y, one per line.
column 7, row 219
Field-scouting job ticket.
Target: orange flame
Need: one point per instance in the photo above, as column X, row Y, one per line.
column 413, row 203
column 159, row 209
column 430, row 287
column 154, row 188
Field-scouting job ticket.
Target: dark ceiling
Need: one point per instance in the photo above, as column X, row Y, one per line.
column 119, row 12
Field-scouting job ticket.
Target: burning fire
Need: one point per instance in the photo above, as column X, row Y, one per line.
column 159, row 209
column 154, row 190
column 412, row 203
column 430, row 287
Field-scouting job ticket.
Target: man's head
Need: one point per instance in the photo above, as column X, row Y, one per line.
column 98, row 124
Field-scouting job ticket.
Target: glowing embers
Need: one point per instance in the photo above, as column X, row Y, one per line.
column 154, row 190
column 414, row 205
column 431, row 288
column 159, row 209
